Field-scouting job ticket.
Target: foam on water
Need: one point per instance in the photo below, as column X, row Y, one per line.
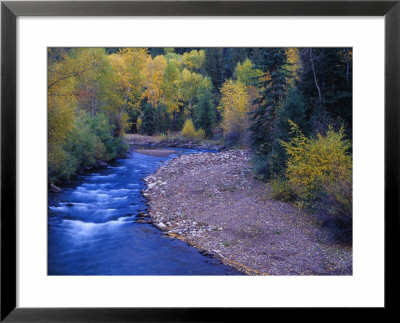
column 92, row 228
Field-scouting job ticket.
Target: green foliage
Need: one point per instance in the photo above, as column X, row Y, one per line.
column 147, row 125
column 296, row 110
column 88, row 142
column 260, row 166
column 245, row 72
column 272, row 84
column 84, row 146
column 204, row 112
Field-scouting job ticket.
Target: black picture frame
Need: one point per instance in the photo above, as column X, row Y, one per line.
column 10, row 10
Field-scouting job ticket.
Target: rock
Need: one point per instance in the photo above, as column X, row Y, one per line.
column 151, row 185
column 141, row 221
column 141, row 214
column 69, row 204
column 55, row 189
column 102, row 164
column 151, row 178
column 161, row 226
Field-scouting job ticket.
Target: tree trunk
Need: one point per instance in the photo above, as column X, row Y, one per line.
column 315, row 76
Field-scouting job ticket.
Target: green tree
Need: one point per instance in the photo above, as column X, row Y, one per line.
column 204, row 111
column 272, row 84
column 147, row 120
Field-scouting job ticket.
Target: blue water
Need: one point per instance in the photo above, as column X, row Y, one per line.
column 92, row 228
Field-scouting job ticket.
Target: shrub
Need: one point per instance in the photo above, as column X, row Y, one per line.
column 85, row 147
column 200, row 134
column 100, row 127
column 188, row 129
column 282, row 190
column 268, row 165
column 89, row 141
column 260, row 165
column 320, row 172
column 317, row 164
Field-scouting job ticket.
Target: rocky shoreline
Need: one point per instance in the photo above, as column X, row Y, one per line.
column 211, row 201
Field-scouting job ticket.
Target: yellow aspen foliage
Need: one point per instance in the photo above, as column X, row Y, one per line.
column 194, row 59
column 171, row 86
column 293, row 57
column 234, row 107
column 127, row 82
column 153, row 75
column 189, row 84
column 188, row 130
column 62, row 96
column 139, row 122
column 246, row 73
column 319, row 165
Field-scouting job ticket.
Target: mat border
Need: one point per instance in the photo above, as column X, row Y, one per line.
column 10, row 10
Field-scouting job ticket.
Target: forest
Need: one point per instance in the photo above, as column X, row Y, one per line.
column 291, row 107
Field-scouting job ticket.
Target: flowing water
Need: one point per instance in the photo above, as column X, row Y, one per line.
column 92, row 228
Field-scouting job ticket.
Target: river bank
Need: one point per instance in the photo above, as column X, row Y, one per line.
column 173, row 141
column 212, row 201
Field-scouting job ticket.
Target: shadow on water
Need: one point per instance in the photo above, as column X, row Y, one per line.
column 92, row 228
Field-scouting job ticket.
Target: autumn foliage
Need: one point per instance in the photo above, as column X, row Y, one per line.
column 319, row 173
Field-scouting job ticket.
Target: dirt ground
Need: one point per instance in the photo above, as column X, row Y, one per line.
column 212, row 201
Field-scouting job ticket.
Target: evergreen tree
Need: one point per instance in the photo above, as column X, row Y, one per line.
column 214, row 66
column 228, row 63
column 204, row 111
column 161, row 119
column 148, row 125
column 297, row 111
column 272, row 84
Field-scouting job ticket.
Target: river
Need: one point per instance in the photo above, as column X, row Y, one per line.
column 92, row 228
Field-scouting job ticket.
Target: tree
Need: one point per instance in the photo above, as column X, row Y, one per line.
column 153, row 79
column 147, row 125
column 204, row 110
column 325, row 81
column 126, row 85
column 189, row 84
column 194, row 59
column 272, row 85
column 234, row 108
column 172, row 96
column 214, row 66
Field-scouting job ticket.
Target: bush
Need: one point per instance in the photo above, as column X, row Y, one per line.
column 282, row 190
column 91, row 140
column 268, row 165
column 260, row 165
column 188, row 129
column 317, row 164
column 200, row 134
column 320, row 172
column 100, row 127
column 84, row 146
